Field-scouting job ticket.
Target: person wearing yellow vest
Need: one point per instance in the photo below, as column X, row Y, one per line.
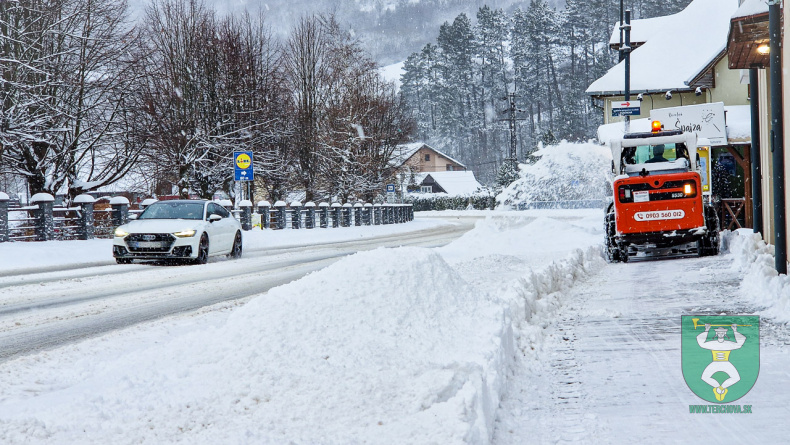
column 721, row 358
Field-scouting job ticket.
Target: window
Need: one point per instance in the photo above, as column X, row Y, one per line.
column 426, row 189
column 427, row 157
column 449, row 167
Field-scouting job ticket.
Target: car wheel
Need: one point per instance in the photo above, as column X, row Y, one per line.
column 123, row 260
column 202, row 256
column 236, row 250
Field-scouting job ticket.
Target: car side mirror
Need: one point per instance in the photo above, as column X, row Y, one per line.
column 214, row 217
column 699, row 165
column 133, row 215
column 614, row 171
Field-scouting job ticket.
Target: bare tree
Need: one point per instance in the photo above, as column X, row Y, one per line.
column 66, row 70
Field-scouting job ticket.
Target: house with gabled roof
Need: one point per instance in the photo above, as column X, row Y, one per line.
column 684, row 54
column 420, row 157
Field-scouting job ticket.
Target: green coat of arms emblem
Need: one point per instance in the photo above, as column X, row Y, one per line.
column 720, row 355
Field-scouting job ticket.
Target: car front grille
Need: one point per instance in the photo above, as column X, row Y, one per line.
column 150, row 242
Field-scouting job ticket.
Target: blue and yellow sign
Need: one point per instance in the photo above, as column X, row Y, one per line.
column 242, row 166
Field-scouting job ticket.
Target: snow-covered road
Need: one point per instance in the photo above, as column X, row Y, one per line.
column 73, row 301
column 609, row 367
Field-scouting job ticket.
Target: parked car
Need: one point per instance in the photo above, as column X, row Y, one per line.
column 179, row 230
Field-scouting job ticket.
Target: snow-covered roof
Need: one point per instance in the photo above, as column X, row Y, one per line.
column 641, row 30
column 739, row 123
column 685, row 45
column 403, row 152
column 456, row 183
column 750, row 8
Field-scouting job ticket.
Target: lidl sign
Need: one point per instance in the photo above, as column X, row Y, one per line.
column 242, row 166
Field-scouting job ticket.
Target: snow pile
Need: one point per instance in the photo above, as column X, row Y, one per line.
column 564, row 172
column 761, row 283
column 378, row 358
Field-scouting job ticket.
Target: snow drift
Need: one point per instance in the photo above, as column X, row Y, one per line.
column 564, row 172
column 761, row 283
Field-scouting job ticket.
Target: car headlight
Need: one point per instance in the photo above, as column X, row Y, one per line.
column 120, row 233
column 185, row 233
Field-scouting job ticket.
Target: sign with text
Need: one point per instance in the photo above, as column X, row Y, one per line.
column 242, row 166
column 707, row 120
column 627, row 108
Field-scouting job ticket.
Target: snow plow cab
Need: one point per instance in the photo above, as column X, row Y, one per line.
column 657, row 203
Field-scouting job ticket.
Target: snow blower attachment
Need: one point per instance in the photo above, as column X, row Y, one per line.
column 658, row 203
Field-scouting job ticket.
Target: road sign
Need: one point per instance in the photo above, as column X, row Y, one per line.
column 242, row 166
column 627, row 108
column 390, row 188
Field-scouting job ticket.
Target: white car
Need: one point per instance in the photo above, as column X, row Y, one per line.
column 179, row 229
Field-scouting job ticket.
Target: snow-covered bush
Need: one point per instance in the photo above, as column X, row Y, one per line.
column 563, row 172
column 440, row 201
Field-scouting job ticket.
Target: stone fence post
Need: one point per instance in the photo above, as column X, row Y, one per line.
column 4, row 234
column 263, row 210
column 358, row 214
column 366, row 214
column 87, row 225
column 336, row 209
column 246, row 214
column 45, row 222
column 309, row 221
column 120, row 210
column 377, row 214
column 346, row 215
column 296, row 215
column 279, row 208
column 324, row 211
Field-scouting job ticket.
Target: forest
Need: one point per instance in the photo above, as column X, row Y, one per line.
column 537, row 59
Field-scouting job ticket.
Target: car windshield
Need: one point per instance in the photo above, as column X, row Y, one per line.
column 173, row 210
column 646, row 154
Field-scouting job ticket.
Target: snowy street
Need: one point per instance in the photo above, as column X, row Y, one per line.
column 610, row 366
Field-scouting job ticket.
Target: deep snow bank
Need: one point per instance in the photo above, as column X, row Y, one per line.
column 563, row 172
column 388, row 346
column 761, row 283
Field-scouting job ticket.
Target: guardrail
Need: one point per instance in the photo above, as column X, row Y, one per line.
column 41, row 221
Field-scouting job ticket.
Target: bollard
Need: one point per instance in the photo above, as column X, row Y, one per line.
column 246, row 214
column 296, row 215
column 358, row 214
column 120, row 210
column 324, row 211
column 336, row 214
column 4, row 232
column 45, row 223
column 87, row 228
column 377, row 214
column 346, row 221
column 263, row 210
column 279, row 210
column 309, row 222
column 366, row 214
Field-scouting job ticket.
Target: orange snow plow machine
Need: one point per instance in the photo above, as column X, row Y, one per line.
column 658, row 205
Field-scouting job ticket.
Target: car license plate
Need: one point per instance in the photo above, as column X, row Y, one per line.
column 146, row 244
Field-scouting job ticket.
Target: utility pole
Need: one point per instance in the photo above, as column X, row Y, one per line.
column 621, row 32
column 625, row 50
column 511, row 110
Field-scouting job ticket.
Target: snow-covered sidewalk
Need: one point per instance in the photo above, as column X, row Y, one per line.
column 405, row 345
column 609, row 368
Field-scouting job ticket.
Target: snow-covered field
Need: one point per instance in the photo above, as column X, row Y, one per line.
column 404, row 345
